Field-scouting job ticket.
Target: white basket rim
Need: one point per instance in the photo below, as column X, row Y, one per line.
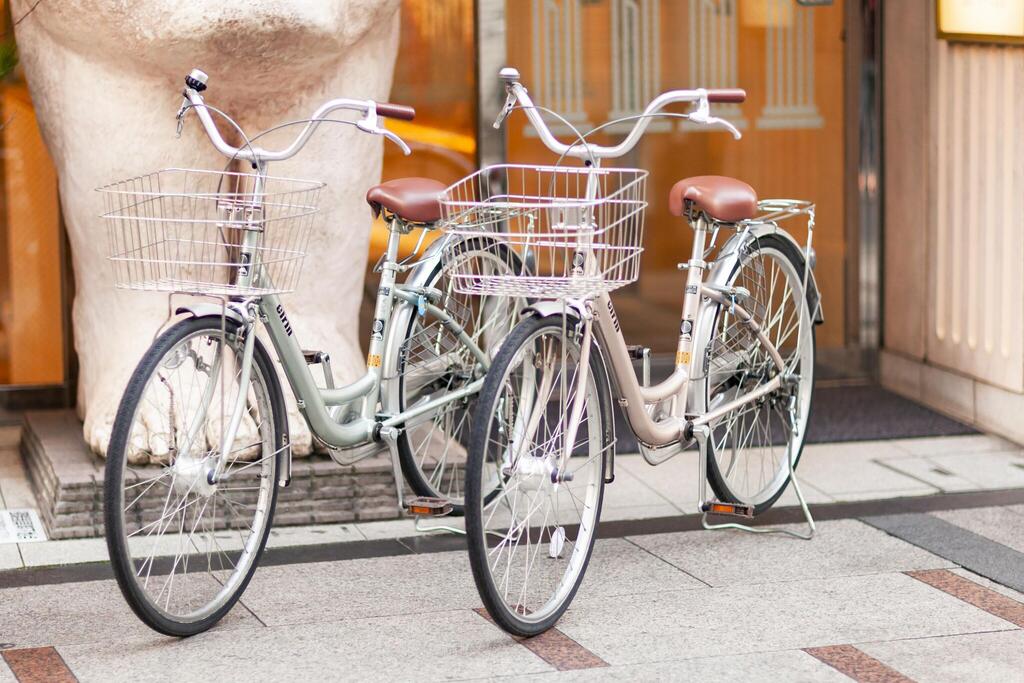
column 114, row 187
column 578, row 170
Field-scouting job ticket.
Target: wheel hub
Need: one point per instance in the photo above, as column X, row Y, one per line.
column 533, row 473
column 192, row 475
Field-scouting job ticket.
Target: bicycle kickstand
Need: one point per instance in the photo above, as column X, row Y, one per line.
column 418, row 507
column 701, row 434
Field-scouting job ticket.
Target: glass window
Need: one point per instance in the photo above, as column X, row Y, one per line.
column 592, row 61
column 434, row 73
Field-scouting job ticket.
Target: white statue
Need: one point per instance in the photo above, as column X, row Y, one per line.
column 106, row 80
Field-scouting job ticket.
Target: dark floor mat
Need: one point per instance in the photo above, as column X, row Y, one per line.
column 853, row 413
column 867, row 413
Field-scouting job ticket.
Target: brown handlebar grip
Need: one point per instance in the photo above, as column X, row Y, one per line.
column 396, row 111
column 727, row 95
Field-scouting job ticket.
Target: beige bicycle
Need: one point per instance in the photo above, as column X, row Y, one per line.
column 542, row 446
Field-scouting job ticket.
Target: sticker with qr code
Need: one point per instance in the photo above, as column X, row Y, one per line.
column 20, row 526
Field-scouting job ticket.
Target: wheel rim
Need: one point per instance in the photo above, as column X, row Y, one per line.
column 752, row 444
column 437, row 440
column 537, row 534
column 190, row 544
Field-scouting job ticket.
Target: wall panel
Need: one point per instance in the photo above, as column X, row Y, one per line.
column 976, row 261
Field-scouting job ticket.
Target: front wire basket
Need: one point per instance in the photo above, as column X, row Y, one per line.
column 579, row 230
column 182, row 230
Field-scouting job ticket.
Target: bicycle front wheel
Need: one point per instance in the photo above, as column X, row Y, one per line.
column 183, row 549
column 533, row 492
column 750, row 447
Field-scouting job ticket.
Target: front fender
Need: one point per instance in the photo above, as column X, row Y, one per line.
column 200, row 310
column 543, row 309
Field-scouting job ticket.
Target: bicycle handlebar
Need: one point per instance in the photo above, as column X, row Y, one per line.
column 396, row 111
column 585, row 150
column 195, row 83
column 731, row 95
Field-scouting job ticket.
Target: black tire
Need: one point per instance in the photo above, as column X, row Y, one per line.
column 716, row 479
column 476, row 497
column 120, row 558
column 411, row 469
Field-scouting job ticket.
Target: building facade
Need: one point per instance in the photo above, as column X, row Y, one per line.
column 907, row 143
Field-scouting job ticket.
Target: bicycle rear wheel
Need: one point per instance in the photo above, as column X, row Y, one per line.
column 749, row 448
column 182, row 549
column 433, row 362
column 532, row 505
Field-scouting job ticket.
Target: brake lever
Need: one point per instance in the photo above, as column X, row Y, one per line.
column 368, row 124
column 397, row 140
column 506, row 109
column 727, row 125
column 703, row 115
column 180, row 116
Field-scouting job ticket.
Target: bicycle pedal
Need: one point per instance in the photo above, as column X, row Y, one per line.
column 423, row 506
column 730, row 509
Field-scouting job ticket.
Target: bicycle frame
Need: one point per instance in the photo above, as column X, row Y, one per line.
column 699, row 301
column 323, row 406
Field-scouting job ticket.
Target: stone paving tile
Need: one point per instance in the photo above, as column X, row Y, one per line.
column 71, row 551
column 968, row 443
column 397, row 648
column 10, row 436
column 618, row 513
column 6, row 676
column 637, row 483
column 776, row 616
column 987, row 470
column 10, row 558
column 38, row 665
column 849, row 471
column 675, row 481
column 840, row 548
column 972, row 593
column 372, row 587
column 89, row 612
column 425, row 583
column 285, row 536
column 987, row 583
column 812, row 495
column 925, row 469
column 957, row 544
column 1001, row 524
column 760, row 667
column 995, row 656
column 9, row 458
column 16, row 489
column 618, row 567
column 391, row 528
column 857, row 664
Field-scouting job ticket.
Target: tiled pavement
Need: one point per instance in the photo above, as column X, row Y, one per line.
column 829, row 473
column 856, row 602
